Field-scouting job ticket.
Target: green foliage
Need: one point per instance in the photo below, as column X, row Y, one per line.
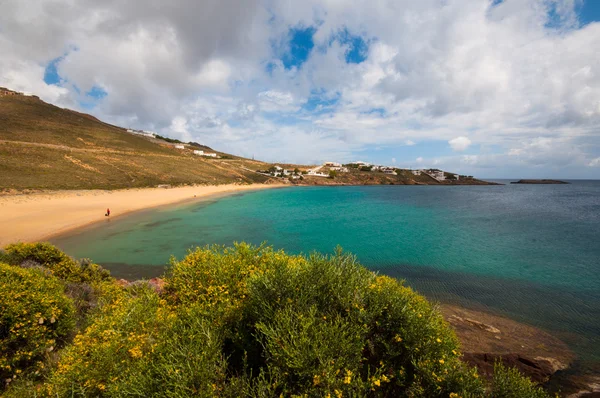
column 332, row 174
column 35, row 318
column 365, row 168
column 508, row 383
column 169, row 140
column 252, row 321
column 61, row 265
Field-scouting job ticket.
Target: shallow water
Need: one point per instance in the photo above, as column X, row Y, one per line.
column 531, row 252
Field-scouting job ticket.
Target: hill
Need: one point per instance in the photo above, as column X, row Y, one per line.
column 46, row 147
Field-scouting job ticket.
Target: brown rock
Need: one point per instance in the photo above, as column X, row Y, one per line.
column 539, row 370
column 158, row 284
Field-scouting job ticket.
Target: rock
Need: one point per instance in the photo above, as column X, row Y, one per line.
column 158, row 284
column 488, row 328
column 539, row 370
column 123, row 282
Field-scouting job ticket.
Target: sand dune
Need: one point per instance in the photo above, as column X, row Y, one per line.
column 34, row 217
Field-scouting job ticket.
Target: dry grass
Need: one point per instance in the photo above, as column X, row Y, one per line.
column 46, row 147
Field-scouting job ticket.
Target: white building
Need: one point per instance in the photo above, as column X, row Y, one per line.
column 211, row 155
column 416, row 172
column 179, row 146
column 332, row 164
column 148, row 134
column 198, row 152
column 340, row 169
column 389, row 170
column 437, row 174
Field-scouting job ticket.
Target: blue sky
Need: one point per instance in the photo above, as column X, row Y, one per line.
column 494, row 88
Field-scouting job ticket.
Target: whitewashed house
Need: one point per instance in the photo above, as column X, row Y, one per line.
column 198, row 152
column 416, row 172
column 332, row 164
column 437, row 174
column 179, row 146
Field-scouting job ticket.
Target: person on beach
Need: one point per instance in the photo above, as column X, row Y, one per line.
column 107, row 212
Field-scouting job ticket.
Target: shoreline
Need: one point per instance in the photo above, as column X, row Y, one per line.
column 41, row 216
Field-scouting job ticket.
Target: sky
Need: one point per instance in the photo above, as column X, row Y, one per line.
column 490, row 88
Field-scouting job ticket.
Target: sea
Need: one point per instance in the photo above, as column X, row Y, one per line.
column 529, row 252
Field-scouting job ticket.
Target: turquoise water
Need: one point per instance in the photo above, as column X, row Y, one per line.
column 531, row 252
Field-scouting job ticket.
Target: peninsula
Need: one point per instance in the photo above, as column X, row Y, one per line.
column 539, row 182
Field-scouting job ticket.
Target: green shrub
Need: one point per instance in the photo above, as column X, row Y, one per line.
column 61, row 265
column 139, row 345
column 252, row 321
column 509, row 383
column 35, row 318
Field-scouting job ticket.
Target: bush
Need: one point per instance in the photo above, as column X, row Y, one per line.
column 139, row 345
column 61, row 265
column 508, row 383
column 252, row 321
column 35, row 318
column 319, row 325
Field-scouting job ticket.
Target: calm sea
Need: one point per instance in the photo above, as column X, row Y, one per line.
column 531, row 252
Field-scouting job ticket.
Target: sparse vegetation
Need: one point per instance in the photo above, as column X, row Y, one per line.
column 46, row 147
column 232, row 322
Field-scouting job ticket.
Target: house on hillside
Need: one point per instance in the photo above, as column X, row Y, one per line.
column 4, row 92
column 389, row 170
column 202, row 153
column 340, row 169
column 359, row 163
column 332, row 164
column 437, row 174
column 179, row 146
column 416, row 172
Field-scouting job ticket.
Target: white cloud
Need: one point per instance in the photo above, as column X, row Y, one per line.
column 594, row 162
column 459, row 144
column 394, row 160
column 209, row 71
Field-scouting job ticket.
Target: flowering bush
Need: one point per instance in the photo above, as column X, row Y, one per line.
column 252, row 321
column 50, row 257
column 35, row 318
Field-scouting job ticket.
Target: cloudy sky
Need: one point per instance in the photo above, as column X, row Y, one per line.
column 493, row 88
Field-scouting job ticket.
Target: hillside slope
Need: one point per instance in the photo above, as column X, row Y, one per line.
column 46, row 147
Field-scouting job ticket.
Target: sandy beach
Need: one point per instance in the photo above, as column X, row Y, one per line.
column 37, row 216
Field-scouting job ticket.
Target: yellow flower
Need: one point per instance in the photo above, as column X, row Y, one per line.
column 338, row 393
column 348, row 378
column 438, row 340
column 397, row 338
column 316, row 380
column 442, row 361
